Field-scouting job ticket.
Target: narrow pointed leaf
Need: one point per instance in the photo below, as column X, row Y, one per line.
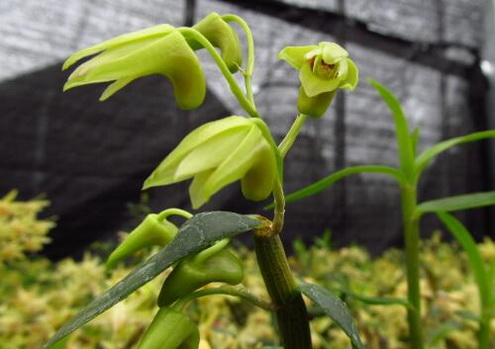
column 404, row 143
column 476, row 263
column 457, row 203
column 426, row 156
column 414, row 140
column 195, row 235
column 335, row 308
column 380, row 300
column 326, row 182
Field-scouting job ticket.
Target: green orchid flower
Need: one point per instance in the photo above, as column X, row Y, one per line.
column 220, row 34
column 217, row 154
column 323, row 69
column 157, row 50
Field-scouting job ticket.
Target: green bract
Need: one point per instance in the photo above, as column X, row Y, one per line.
column 220, row 34
column 156, row 50
column 323, row 69
column 171, row 329
column 217, row 154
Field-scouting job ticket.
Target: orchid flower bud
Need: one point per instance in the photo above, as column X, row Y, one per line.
column 170, row 329
column 155, row 229
column 215, row 264
column 323, row 69
column 156, row 50
column 220, row 34
column 217, row 154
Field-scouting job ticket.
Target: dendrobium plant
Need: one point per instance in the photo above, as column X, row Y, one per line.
column 241, row 148
column 215, row 155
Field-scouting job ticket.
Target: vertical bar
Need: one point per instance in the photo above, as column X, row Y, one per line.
column 189, row 12
column 340, row 134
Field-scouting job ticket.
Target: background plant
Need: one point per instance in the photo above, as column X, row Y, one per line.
column 408, row 175
column 38, row 295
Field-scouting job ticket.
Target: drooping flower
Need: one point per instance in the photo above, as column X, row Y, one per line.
column 323, row 69
column 220, row 34
column 157, row 50
column 217, row 154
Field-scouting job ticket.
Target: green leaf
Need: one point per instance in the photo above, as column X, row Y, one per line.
column 380, row 300
column 404, row 142
column 476, row 263
column 335, row 308
column 195, row 235
column 468, row 315
column 414, row 140
column 456, row 203
column 442, row 332
column 426, row 156
column 326, row 182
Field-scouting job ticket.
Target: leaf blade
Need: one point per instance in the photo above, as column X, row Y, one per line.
column 335, row 308
column 405, row 147
column 326, row 182
column 467, row 242
column 459, row 202
column 427, row 155
column 195, row 235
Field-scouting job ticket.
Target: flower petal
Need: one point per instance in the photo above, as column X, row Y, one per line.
column 165, row 172
column 235, row 166
column 314, row 85
column 332, row 52
column 257, row 184
column 153, row 32
column 352, row 78
column 115, row 87
column 295, row 55
column 197, row 189
column 210, row 153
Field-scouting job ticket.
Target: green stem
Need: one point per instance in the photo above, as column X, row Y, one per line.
column 411, row 231
column 291, row 313
column 484, row 333
column 291, row 136
column 234, row 87
column 174, row 212
column 237, row 291
column 248, row 72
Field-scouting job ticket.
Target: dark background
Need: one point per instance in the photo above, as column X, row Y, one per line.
column 90, row 158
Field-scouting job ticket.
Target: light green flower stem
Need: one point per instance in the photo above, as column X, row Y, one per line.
column 236, row 291
column 248, row 105
column 412, row 238
column 291, row 136
column 248, row 72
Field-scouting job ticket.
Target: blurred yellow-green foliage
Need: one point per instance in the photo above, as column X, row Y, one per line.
column 37, row 296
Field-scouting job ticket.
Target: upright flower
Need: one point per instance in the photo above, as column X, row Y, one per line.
column 217, row 154
column 323, row 69
column 157, row 50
